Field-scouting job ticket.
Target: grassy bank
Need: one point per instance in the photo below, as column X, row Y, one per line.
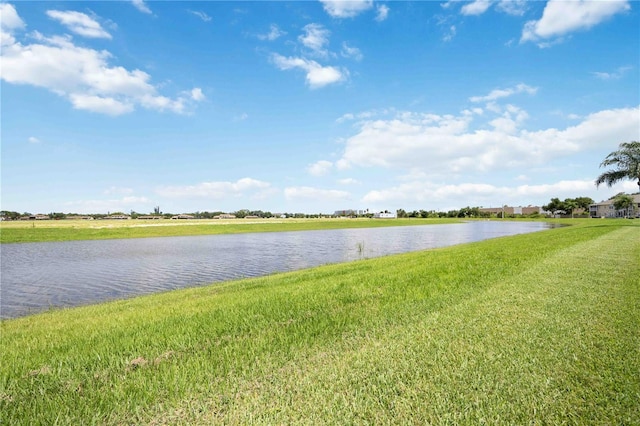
column 68, row 230
column 540, row 328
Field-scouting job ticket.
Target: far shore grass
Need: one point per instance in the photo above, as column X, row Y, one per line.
column 541, row 328
column 69, row 230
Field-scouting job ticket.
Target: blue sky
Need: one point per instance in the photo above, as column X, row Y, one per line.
column 313, row 106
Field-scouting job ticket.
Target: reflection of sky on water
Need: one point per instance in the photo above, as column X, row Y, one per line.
column 36, row 276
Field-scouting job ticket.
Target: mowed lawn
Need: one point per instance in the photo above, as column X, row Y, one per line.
column 542, row 328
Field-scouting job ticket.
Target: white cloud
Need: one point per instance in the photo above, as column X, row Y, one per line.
column 348, row 181
column 85, row 77
column 438, row 195
column 79, row 23
column 346, row 117
column 197, row 95
column 274, row 33
column 390, row 143
column 118, row 190
column 201, row 15
column 446, row 23
column 612, row 75
column 317, row 75
column 421, row 191
column 383, row 13
column 124, row 204
column 33, row 139
column 510, row 120
column 351, row 52
column 163, row 103
column 561, row 189
column 449, row 3
column 480, row 194
column 305, row 192
column 561, row 17
column 450, row 34
column 346, row 8
column 477, row 7
column 141, row 6
column 315, row 37
column 216, row 190
column 99, row 104
column 513, row 7
column 320, row 168
column 503, row 93
column 448, row 144
column 9, row 19
column 363, row 115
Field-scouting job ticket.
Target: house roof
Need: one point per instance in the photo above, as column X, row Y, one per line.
column 635, row 197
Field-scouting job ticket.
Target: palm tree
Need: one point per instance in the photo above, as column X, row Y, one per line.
column 627, row 164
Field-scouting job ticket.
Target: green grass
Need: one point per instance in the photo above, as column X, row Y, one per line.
column 540, row 328
column 68, row 230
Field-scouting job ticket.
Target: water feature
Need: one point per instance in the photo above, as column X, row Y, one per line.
column 36, row 276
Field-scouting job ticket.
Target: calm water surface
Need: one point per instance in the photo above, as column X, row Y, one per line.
column 37, row 276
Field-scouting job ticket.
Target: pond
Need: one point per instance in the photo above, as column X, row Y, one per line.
column 39, row 276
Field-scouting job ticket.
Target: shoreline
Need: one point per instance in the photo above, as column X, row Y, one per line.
column 73, row 230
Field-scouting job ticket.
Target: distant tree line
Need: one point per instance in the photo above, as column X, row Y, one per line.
column 240, row 214
column 569, row 206
column 8, row 215
column 556, row 206
column 463, row 212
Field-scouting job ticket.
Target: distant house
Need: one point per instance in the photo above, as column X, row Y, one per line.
column 183, row 216
column 252, row 217
column 606, row 209
column 149, row 217
column 119, row 217
column 383, row 215
column 512, row 210
column 225, row 216
column 35, row 217
column 349, row 212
